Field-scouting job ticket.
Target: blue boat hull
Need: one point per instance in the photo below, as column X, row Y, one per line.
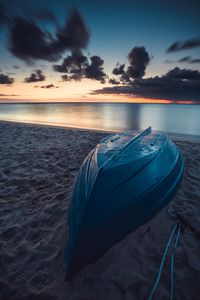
column 124, row 182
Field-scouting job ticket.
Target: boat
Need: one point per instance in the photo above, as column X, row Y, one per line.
column 123, row 182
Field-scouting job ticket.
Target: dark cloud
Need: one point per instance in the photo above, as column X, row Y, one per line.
column 29, row 42
column 5, row 79
column 65, row 77
column 95, row 69
column 77, row 67
column 175, row 85
column 184, row 59
column 16, row 67
column 138, row 60
column 114, row 81
column 49, row 86
column 195, row 61
column 62, row 68
column 76, row 75
column 70, row 63
column 74, row 35
column 188, row 59
column 119, row 70
column 185, row 45
column 177, row 73
column 35, row 77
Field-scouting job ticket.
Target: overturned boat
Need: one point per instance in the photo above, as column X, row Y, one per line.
column 123, row 182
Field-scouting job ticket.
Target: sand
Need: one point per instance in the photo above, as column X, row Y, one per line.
column 38, row 165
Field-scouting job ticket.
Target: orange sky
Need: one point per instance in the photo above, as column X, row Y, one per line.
column 67, row 92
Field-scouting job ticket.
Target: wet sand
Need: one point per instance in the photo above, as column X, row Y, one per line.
column 38, row 165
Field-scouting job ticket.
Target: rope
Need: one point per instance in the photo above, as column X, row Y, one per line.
column 177, row 227
column 172, row 261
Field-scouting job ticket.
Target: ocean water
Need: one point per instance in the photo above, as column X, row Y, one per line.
column 174, row 118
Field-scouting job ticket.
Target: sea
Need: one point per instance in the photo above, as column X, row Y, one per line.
column 173, row 118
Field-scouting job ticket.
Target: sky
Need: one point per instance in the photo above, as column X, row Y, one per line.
column 123, row 51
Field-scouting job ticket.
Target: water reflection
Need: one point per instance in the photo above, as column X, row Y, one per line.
column 108, row 116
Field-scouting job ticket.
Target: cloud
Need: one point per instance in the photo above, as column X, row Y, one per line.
column 177, row 73
column 5, row 79
column 95, row 69
column 185, row 59
column 29, row 42
column 195, row 61
column 74, row 35
column 8, row 95
column 77, row 76
column 185, row 45
column 16, row 67
column 177, row 84
column 138, row 60
column 70, row 63
column 77, row 67
column 119, row 70
column 65, row 77
column 114, row 81
column 35, row 77
column 49, row 86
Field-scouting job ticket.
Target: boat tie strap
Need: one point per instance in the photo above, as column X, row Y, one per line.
column 176, row 231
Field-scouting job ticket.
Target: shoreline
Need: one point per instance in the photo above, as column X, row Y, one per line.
column 174, row 136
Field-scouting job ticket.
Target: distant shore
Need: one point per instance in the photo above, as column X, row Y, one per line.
column 38, row 166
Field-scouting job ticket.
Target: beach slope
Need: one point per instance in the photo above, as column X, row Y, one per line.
column 38, row 165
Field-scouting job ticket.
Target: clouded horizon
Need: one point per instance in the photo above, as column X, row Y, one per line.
column 100, row 51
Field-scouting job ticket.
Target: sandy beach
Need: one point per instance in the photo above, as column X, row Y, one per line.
column 38, row 165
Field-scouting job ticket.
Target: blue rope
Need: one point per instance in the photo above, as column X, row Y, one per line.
column 172, row 261
column 163, row 261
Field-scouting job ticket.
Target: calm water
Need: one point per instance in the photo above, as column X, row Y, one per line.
column 175, row 118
